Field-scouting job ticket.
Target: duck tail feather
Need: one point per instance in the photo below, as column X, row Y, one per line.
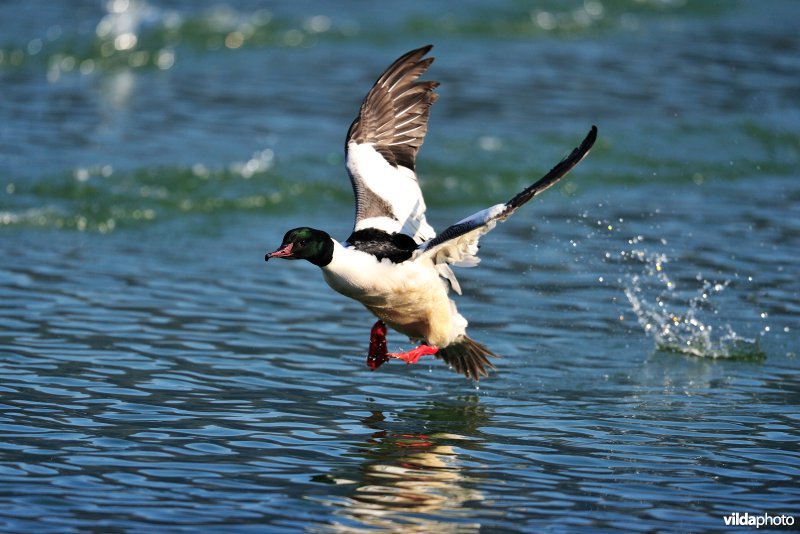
column 468, row 357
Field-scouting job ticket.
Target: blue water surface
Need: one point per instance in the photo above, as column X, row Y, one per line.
column 157, row 375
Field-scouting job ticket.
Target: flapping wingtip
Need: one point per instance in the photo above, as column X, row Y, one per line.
column 591, row 137
column 417, row 54
column 420, row 53
column 586, row 145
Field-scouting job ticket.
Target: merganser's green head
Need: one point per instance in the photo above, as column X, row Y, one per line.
column 305, row 243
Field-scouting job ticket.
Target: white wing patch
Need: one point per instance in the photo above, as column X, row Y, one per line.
column 396, row 186
column 461, row 251
column 447, row 273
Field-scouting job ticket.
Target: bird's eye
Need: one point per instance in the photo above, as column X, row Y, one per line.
column 302, row 242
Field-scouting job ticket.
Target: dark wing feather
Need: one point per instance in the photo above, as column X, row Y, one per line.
column 555, row 174
column 394, row 114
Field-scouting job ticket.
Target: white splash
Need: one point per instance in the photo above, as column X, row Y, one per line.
column 681, row 320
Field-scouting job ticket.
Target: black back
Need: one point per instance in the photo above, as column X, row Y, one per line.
column 396, row 247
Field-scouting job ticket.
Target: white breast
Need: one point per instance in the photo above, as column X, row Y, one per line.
column 410, row 296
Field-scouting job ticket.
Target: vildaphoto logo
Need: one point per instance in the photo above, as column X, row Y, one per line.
column 746, row 519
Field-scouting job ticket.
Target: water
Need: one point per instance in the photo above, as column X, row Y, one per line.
column 155, row 374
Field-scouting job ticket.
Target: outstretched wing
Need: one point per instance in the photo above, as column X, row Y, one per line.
column 458, row 244
column 382, row 146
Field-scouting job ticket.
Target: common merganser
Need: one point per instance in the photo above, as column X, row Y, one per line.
column 394, row 263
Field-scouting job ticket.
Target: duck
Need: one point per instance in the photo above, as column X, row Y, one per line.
column 393, row 262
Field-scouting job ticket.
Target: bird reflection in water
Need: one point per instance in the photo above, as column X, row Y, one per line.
column 410, row 479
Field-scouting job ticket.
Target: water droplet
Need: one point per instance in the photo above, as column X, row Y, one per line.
column 318, row 24
column 234, row 40
column 81, row 174
column 293, row 37
column 594, row 8
column 34, row 47
column 545, row 20
column 165, row 59
column 125, row 41
column 87, row 66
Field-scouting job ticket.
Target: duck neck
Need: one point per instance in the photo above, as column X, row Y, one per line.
column 326, row 254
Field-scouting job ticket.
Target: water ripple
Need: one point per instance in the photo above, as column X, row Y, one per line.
column 156, row 374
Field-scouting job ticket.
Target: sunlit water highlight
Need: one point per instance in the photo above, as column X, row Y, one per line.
column 156, row 375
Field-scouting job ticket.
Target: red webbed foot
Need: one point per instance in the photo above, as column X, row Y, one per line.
column 413, row 355
column 378, row 354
